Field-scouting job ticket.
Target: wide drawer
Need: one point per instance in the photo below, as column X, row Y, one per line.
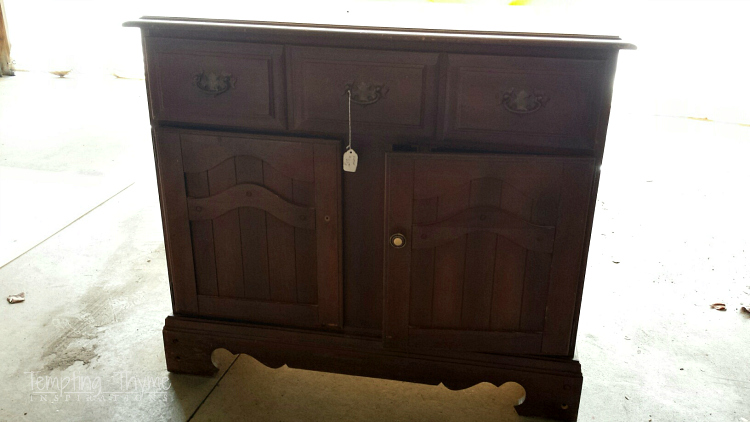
column 216, row 83
column 542, row 102
column 394, row 94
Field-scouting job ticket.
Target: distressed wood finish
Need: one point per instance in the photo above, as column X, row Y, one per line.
column 480, row 150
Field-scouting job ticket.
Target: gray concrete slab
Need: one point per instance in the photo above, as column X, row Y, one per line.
column 671, row 236
column 96, row 298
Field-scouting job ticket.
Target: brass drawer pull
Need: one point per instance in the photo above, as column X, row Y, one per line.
column 523, row 102
column 398, row 241
column 365, row 93
column 214, row 83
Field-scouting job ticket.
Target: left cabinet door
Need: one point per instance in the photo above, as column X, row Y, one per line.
column 251, row 226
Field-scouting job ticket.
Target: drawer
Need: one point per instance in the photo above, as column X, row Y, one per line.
column 539, row 102
column 216, row 83
column 394, row 94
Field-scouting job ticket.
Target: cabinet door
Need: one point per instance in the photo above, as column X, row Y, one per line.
column 485, row 252
column 252, row 226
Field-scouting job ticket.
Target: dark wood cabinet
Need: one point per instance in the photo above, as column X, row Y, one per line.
column 454, row 254
column 493, row 246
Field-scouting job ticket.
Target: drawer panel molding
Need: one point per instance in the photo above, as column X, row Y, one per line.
column 217, row 83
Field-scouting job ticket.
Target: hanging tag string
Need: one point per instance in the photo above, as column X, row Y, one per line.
column 348, row 147
column 350, row 158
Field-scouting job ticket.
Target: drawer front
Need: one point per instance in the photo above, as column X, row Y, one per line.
column 216, row 83
column 393, row 93
column 543, row 102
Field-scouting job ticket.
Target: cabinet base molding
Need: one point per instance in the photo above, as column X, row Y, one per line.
column 553, row 386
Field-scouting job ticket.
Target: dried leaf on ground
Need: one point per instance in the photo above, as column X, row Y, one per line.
column 17, row 298
column 719, row 306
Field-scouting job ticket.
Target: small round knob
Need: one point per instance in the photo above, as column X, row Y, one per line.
column 398, row 240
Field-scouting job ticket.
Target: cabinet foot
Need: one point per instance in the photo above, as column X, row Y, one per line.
column 188, row 354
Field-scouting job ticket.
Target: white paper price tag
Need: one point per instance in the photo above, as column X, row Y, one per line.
column 350, row 161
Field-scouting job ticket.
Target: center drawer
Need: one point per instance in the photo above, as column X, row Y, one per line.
column 394, row 94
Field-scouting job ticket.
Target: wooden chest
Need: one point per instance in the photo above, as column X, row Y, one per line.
column 455, row 253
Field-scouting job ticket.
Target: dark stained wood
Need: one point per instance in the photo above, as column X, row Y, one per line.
column 254, row 86
column 450, row 264
column 485, row 220
column 328, row 34
column 535, row 285
column 253, row 232
column 281, row 253
column 423, row 269
column 263, row 227
column 259, row 311
column 254, row 196
column 364, row 221
column 205, row 257
column 494, row 245
column 202, row 235
column 567, row 118
column 328, row 225
column 475, row 341
column 574, row 202
column 290, row 156
column 177, row 238
column 318, row 91
column 399, row 212
column 305, row 246
column 227, row 241
column 507, row 289
column 496, row 235
column 480, row 259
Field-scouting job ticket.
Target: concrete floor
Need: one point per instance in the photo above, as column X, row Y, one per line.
column 77, row 188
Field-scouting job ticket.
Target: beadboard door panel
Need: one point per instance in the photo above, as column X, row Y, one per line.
column 263, row 221
column 493, row 244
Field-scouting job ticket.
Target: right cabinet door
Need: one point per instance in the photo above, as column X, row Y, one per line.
column 485, row 253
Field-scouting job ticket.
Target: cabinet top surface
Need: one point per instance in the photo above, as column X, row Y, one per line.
column 402, row 22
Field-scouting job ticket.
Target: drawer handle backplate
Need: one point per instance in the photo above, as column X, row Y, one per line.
column 364, row 93
column 523, row 102
column 214, row 83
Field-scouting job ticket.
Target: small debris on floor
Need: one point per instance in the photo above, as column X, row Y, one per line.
column 616, row 262
column 17, row 298
column 61, row 73
column 745, row 309
column 719, row 306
